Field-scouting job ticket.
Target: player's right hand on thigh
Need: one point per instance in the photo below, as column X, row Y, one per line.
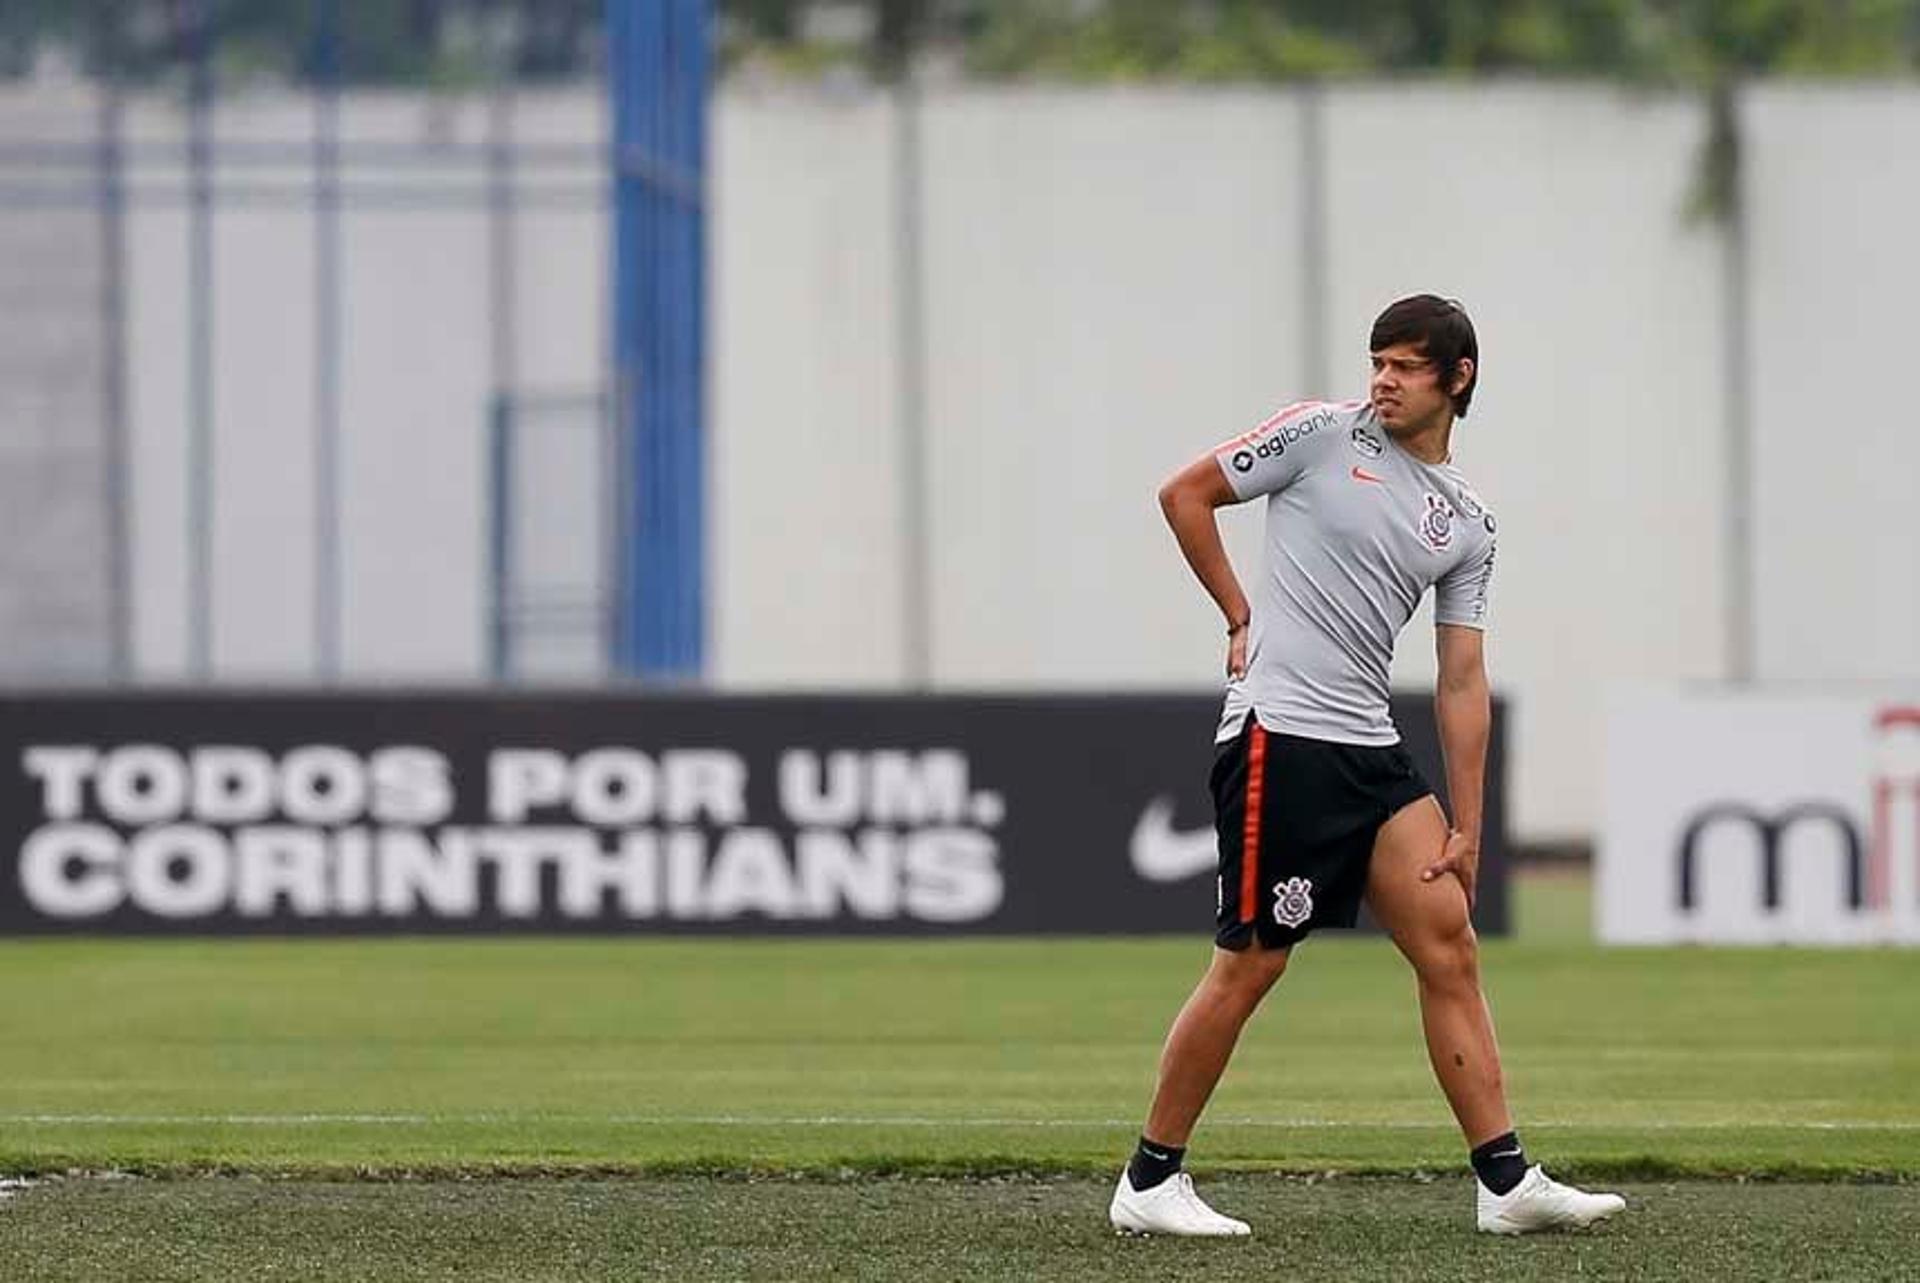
column 1460, row 858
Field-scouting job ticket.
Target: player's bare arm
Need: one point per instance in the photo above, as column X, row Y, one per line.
column 1188, row 500
column 1463, row 710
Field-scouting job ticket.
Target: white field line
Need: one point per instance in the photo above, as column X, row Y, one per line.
column 832, row 1120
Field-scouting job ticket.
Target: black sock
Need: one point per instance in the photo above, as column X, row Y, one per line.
column 1500, row 1163
column 1153, row 1162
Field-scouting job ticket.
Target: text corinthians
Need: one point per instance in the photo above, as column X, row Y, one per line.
column 610, row 834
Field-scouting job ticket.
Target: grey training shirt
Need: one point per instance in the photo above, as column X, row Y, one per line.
column 1356, row 530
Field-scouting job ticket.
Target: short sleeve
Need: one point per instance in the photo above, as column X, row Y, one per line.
column 1274, row 455
column 1461, row 597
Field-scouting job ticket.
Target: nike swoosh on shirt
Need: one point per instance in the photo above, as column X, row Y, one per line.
column 1361, row 474
column 1162, row 853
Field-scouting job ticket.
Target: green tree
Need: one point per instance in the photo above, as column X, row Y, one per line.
column 27, row 24
column 378, row 41
column 1693, row 40
column 426, row 41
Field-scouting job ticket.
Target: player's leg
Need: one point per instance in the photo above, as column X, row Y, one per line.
column 1154, row 1196
column 1430, row 924
column 1204, row 1035
column 1433, row 928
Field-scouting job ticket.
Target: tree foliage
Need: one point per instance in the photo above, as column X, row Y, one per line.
column 362, row 41
column 440, row 41
column 1278, row 39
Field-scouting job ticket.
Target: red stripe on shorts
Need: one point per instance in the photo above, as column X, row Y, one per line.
column 1250, row 825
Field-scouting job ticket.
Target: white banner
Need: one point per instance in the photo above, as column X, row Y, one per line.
column 1757, row 818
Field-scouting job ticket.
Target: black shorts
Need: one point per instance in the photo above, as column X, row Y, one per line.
column 1296, row 820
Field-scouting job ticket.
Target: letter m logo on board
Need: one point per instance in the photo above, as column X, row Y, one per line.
column 1770, row 833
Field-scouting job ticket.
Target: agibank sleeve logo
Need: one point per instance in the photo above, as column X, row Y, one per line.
column 1267, row 458
column 1291, row 426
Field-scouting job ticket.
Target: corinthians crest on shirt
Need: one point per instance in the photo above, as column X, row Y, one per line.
column 1436, row 523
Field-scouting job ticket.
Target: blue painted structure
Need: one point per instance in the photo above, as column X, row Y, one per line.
column 659, row 61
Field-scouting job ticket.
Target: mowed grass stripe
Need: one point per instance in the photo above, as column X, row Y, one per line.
column 535, row 1231
column 695, row 1120
column 1018, row 1054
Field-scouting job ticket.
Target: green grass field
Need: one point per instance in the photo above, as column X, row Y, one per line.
column 1004, row 1075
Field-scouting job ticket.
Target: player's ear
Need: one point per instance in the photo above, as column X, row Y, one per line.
column 1462, row 377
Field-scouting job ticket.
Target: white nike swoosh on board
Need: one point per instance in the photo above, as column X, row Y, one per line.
column 1161, row 853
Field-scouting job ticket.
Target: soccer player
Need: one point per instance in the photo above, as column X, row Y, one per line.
column 1317, row 805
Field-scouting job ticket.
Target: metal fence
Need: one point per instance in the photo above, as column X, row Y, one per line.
column 87, row 160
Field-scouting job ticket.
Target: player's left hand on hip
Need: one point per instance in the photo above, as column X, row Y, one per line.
column 1461, row 858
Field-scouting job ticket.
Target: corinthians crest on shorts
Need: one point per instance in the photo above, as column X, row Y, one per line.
column 1293, row 901
column 1296, row 819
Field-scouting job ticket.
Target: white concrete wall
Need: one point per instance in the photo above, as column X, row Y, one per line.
column 1113, row 286
column 1555, row 216
column 415, row 384
column 55, row 580
column 804, row 507
column 1114, row 282
column 1834, row 193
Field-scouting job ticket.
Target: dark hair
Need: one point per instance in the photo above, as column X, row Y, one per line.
column 1445, row 335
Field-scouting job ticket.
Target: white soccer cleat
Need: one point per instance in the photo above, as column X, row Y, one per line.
column 1171, row 1207
column 1540, row 1202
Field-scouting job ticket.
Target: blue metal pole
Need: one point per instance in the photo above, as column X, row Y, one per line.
column 624, row 557
column 622, row 23
column 655, row 534
column 696, row 76
column 659, row 72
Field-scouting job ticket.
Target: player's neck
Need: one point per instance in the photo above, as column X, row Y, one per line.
column 1431, row 442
